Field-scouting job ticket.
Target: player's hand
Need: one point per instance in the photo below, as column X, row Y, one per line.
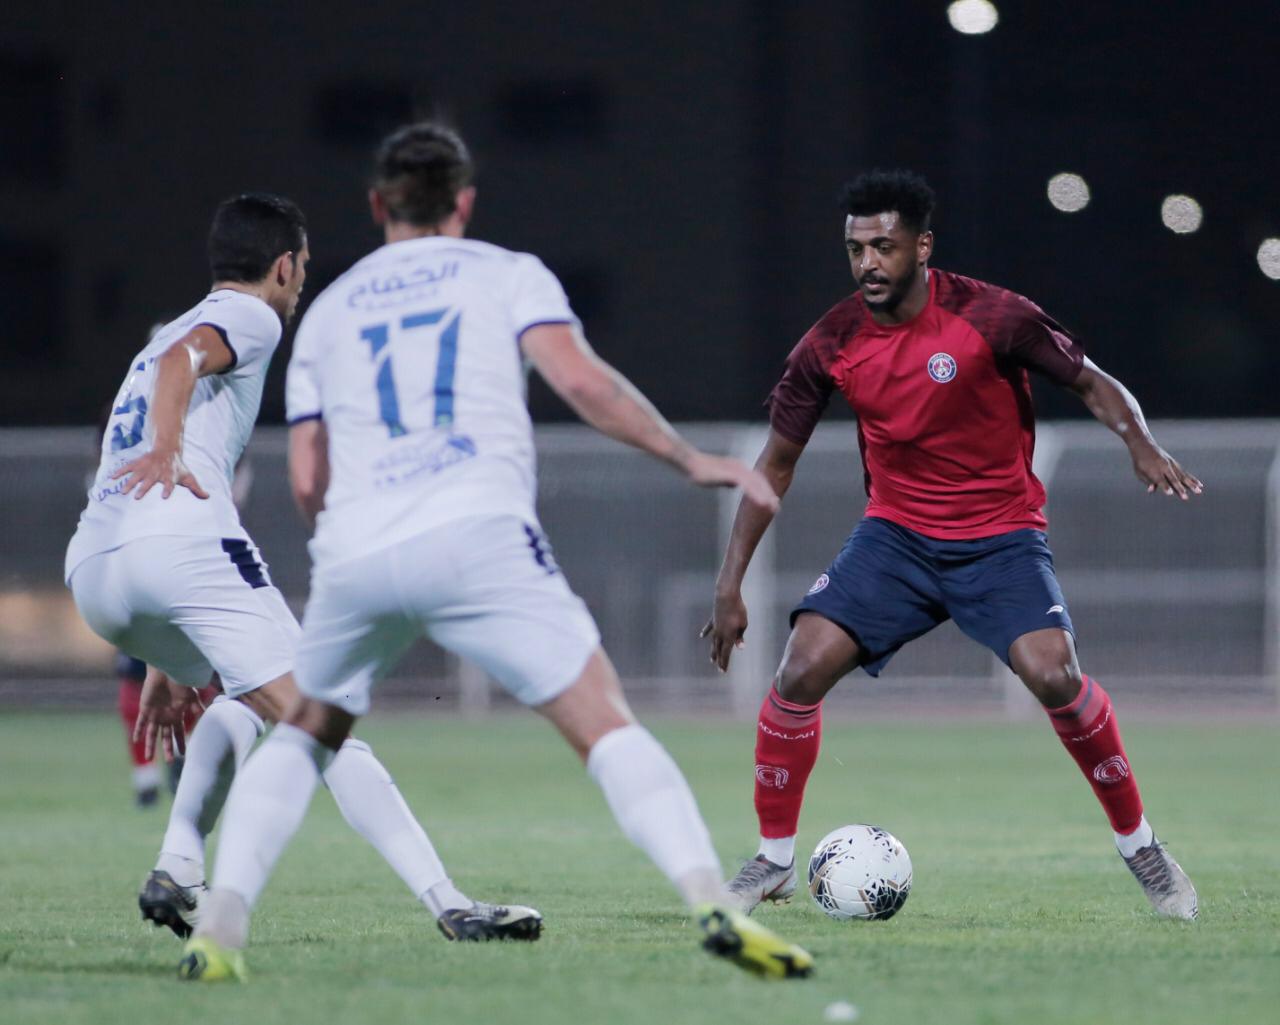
column 162, row 709
column 710, row 471
column 162, row 467
column 1159, row 471
column 726, row 626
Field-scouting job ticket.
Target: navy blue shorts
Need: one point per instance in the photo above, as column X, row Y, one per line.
column 890, row 585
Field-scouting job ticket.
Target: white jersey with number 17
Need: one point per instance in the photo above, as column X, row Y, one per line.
column 412, row 360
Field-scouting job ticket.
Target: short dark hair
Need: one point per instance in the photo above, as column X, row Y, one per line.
column 419, row 171
column 878, row 192
column 250, row 232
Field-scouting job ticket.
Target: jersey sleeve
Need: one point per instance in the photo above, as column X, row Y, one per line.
column 537, row 297
column 248, row 326
column 798, row 400
column 1033, row 339
column 302, row 396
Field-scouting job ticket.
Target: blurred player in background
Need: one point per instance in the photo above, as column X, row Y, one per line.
column 161, row 567
column 145, row 775
column 408, row 380
column 935, row 367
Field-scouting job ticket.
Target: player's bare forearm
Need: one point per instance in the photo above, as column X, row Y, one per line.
column 176, row 378
column 198, row 353
column 777, row 463
column 728, row 623
column 1112, row 404
column 600, row 395
column 1115, row 407
column 614, row 406
column 309, row 467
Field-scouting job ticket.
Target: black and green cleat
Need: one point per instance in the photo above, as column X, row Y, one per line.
column 205, row 960
column 735, row 937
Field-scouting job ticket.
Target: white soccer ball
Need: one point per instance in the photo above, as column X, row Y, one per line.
column 859, row 872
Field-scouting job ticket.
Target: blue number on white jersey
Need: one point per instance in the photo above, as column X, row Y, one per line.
column 377, row 335
column 124, row 436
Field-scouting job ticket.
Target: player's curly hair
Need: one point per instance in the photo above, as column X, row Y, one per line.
column 878, row 192
column 419, row 170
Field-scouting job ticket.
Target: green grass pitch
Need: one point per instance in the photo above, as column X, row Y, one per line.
column 1021, row 911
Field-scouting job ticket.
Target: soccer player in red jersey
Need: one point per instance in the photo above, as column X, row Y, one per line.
column 935, row 367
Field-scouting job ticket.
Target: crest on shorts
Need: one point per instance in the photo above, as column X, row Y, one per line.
column 942, row 367
column 820, row 584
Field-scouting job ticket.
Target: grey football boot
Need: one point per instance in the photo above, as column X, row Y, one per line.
column 760, row 880
column 1163, row 881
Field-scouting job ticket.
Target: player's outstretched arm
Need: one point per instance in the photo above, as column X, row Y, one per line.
column 196, row 354
column 614, row 406
column 728, row 622
column 1113, row 404
column 309, row 467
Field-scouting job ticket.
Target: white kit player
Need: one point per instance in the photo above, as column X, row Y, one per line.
column 161, row 567
column 412, row 442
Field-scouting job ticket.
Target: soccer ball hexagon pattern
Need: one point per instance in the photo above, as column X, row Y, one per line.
column 860, row 872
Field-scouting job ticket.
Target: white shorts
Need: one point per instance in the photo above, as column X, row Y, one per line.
column 487, row 590
column 190, row 606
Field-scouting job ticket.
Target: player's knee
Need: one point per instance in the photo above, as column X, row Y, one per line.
column 1054, row 682
column 803, row 680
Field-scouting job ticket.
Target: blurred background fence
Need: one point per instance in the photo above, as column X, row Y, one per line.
column 1177, row 605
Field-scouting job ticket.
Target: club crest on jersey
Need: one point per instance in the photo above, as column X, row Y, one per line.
column 942, row 368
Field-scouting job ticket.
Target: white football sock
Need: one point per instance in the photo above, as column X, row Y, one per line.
column 219, row 744
column 1141, row 837
column 267, row 805
column 656, row 810
column 780, row 850
column 444, row 896
column 372, row 804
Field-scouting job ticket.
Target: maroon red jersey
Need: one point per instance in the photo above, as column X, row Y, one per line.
column 945, row 420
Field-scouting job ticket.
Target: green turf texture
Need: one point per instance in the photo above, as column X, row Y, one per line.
column 1021, row 911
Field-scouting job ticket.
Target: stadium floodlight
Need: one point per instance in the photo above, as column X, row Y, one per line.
column 973, row 17
column 1181, row 214
column 1068, row 192
column 1269, row 258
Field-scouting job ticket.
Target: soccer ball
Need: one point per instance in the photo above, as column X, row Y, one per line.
column 859, row 872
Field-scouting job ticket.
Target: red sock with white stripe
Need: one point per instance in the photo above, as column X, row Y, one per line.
column 788, row 736
column 1088, row 730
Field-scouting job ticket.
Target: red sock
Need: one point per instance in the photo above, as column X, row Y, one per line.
column 127, row 701
column 1088, row 730
column 787, row 740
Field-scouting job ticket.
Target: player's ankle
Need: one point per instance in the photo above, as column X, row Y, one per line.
column 183, row 871
column 224, row 918
column 444, row 896
column 1130, row 843
column 701, row 886
column 781, row 850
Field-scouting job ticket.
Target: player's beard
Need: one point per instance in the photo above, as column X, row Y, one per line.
column 896, row 293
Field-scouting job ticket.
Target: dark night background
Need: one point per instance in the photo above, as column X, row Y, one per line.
column 675, row 163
